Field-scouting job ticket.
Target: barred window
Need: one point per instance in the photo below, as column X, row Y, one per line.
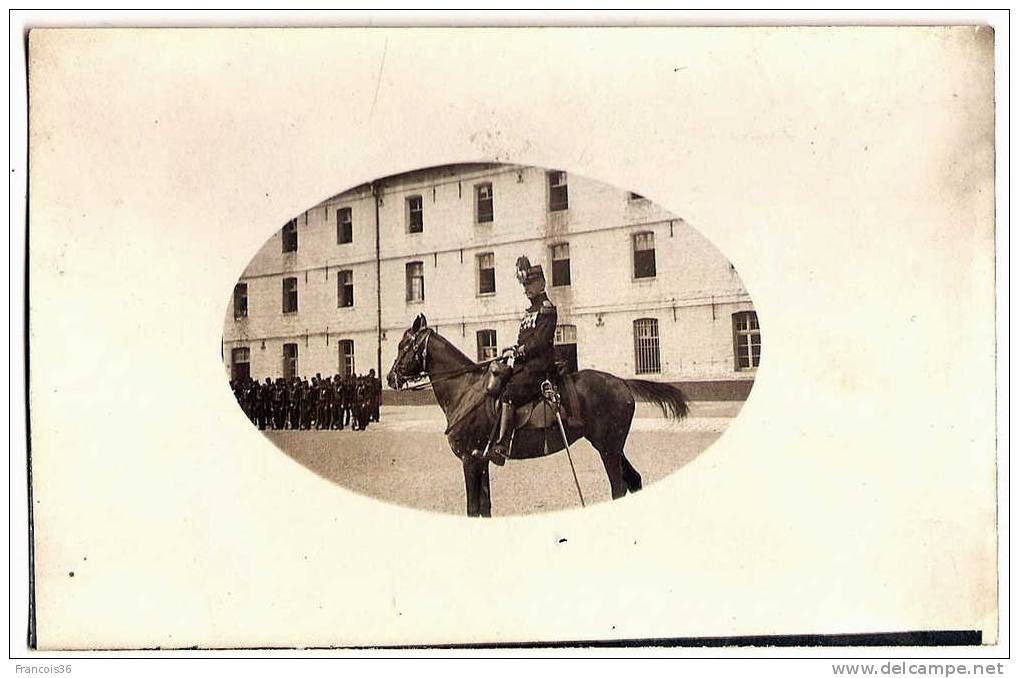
column 345, row 289
column 290, row 295
column 565, row 348
column 241, row 300
column 560, row 265
column 290, row 236
column 415, row 281
column 487, row 345
column 746, row 339
column 645, row 346
column 289, row 361
column 344, row 226
column 346, row 356
column 558, row 192
column 486, row 273
column 566, row 334
column 415, row 214
column 483, row 198
column 644, row 255
column 240, row 363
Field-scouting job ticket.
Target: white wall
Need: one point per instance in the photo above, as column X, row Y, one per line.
column 693, row 294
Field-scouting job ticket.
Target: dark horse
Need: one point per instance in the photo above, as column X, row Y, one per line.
column 605, row 403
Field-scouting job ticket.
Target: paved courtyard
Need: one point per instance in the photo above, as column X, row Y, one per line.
column 405, row 459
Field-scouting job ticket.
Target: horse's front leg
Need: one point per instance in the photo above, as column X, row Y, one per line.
column 485, row 490
column 472, row 484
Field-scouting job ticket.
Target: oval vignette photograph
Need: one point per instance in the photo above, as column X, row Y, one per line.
column 490, row 340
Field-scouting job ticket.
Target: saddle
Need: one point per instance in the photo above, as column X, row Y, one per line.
column 540, row 412
column 537, row 413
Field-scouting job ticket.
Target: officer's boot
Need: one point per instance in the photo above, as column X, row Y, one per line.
column 498, row 452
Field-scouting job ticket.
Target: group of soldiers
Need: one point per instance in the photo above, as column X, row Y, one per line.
column 321, row 404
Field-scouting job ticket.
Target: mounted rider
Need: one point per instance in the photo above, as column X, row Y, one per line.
column 532, row 356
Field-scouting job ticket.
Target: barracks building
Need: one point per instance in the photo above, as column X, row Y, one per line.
column 639, row 292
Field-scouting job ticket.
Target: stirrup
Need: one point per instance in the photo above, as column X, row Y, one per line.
column 495, row 455
column 498, row 453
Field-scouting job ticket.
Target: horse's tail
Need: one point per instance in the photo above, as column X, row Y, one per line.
column 670, row 399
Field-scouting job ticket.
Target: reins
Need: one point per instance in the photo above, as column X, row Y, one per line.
column 445, row 376
column 432, row 379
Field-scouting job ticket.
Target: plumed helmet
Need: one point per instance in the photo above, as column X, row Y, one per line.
column 527, row 273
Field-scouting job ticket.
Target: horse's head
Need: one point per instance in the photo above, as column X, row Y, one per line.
column 410, row 356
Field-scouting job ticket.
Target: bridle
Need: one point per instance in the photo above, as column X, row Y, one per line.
column 420, row 343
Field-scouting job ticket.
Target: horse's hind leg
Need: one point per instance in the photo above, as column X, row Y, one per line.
column 614, row 469
column 611, row 454
column 630, row 475
column 609, row 441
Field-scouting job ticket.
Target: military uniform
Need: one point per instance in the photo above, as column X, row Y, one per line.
column 357, row 418
column 323, row 403
column 305, row 396
column 323, row 420
column 532, row 355
column 265, row 404
column 279, row 405
column 534, row 351
column 374, row 394
column 348, row 401
column 294, row 404
column 251, row 401
column 377, row 399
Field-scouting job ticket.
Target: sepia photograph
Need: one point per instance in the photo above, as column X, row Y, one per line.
column 470, row 315
column 674, row 339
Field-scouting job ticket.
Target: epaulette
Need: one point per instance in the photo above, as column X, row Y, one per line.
column 546, row 307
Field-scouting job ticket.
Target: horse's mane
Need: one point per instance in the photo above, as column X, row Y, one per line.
column 457, row 354
column 465, row 414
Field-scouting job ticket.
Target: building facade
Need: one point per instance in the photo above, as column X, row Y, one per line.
column 640, row 293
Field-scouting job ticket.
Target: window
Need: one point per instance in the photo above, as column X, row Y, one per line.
column 566, row 346
column 344, row 289
column 488, row 346
column 644, row 255
column 290, row 295
column 289, row 361
column 486, row 273
column 636, row 196
column 645, row 346
column 415, row 214
column 485, row 211
column 415, row 281
column 241, row 300
column 746, row 339
column 558, row 195
column 290, row 236
column 344, row 226
column 560, row 265
column 346, row 356
column 240, row 363
column 566, row 334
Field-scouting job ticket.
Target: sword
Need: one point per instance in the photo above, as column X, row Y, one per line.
column 566, row 442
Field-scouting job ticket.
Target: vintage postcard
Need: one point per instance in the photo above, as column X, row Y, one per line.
column 436, row 337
